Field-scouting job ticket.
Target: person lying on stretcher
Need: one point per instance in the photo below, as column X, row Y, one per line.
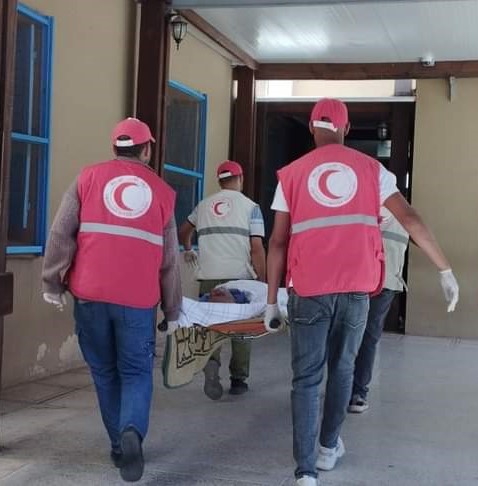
column 225, row 296
column 237, row 300
column 234, row 310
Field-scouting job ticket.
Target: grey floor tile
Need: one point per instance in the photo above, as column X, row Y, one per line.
column 9, row 467
column 7, row 406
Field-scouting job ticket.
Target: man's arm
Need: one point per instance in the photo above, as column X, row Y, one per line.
column 277, row 253
column 419, row 232
column 186, row 232
column 258, row 257
column 61, row 246
column 170, row 282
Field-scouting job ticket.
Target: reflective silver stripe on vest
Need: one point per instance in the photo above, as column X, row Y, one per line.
column 112, row 229
column 334, row 221
column 389, row 235
column 224, row 230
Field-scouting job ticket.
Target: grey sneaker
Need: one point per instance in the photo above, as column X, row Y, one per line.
column 328, row 457
column 358, row 404
column 212, row 383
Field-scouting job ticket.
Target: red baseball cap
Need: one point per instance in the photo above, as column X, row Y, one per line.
column 131, row 132
column 330, row 114
column 229, row 168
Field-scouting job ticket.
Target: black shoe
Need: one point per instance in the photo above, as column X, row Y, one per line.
column 116, row 457
column 132, row 462
column 238, row 387
column 212, row 383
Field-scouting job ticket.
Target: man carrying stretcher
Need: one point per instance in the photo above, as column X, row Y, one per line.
column 230, row 229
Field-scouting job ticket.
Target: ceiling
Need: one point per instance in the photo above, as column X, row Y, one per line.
column 353, row 31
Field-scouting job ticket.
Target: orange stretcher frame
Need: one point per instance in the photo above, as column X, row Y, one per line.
column 243, row 329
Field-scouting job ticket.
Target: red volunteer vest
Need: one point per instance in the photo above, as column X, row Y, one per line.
column 333, row 196
column 124, row 208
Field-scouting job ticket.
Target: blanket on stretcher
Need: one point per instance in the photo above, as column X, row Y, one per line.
column 189, row 348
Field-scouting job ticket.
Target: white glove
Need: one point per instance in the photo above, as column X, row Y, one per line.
column 450, row 288
column 191, row 258
column 272, row 313
column 58, row 300
column 172, row 327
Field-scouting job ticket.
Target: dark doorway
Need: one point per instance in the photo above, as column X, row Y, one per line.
column 383, row 130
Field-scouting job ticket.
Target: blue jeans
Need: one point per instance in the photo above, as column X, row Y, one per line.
column 118, row 344
column 326, row 329
column 379, row 307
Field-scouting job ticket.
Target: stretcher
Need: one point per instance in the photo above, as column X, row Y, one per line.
column 188, row 349
column 205, row 326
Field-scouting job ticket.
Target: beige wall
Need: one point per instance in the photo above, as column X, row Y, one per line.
column 92, row 89
column 323, row 88
column 445, row 180
column 90, row 93
column 204, row 69
column 201, row 66
column 344, row 89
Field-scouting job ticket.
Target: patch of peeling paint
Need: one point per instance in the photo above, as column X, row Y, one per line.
column 41, row 353
column 70, row 351
column 37, row 370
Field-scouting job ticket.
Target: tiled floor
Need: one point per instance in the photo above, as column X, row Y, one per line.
column 422, row 428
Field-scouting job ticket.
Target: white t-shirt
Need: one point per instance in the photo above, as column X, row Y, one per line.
column 388, row 187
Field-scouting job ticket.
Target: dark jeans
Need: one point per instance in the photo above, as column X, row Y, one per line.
column 241, row 350
column 379, row 307
column 118, row 344
column 328, row 330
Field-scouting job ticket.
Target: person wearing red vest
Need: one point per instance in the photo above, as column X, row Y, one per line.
column 113, row 245
column 326, row 232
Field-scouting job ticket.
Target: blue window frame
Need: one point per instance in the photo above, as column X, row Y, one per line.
column 30, row 133
column 185, row 146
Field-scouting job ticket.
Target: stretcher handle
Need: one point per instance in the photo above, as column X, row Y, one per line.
column 275, row 323
column 163, row 325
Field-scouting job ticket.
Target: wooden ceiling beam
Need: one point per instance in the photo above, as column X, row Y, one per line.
column 364, row 71
column 206, row 28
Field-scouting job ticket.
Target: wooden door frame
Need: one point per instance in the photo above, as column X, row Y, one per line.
column 8, row 24
column 153, row 73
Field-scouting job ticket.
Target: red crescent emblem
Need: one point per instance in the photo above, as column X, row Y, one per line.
column 118, row 195
column 220, row 208
column 322, row 183
column 216, row 207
